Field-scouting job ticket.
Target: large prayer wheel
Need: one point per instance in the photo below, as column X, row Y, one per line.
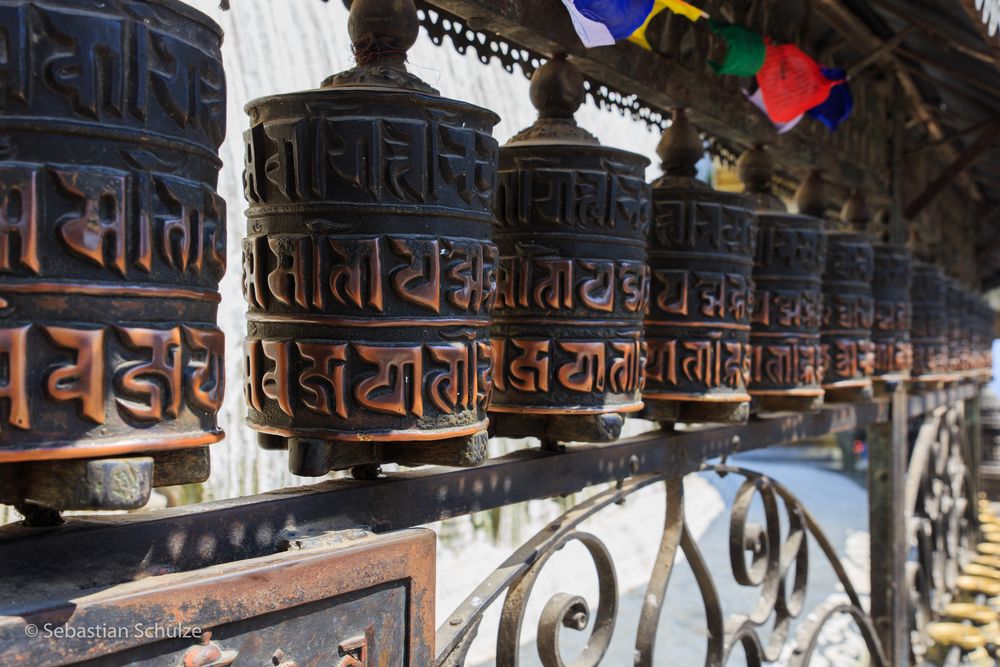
column 787, row 362
column 701, row 250
column 930, row 323
column 112, row 245
column 368, row 264
column 848, row 308
column 893, row 313
column 573, row 283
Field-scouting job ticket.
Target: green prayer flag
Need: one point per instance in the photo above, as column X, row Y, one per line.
column 745, row 50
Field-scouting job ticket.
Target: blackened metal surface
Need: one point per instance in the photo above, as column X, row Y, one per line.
column 893, row 312
column 112, row 236
column 365, row 601
column 930, row 321
column 573, row 283
column 788, row 309
column 698, row 328
column 848, row 313
column 368, row 264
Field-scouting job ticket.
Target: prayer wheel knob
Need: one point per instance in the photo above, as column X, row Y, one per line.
column 811, row 195
column 755, row 169
column 557, row 88
column 680, row 147
column 855, row 211
column 382, row 31
column 557, row 91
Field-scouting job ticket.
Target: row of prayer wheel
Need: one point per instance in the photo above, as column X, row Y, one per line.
column 405, row 277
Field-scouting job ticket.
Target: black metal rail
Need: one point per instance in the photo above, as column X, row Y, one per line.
column 98, row 551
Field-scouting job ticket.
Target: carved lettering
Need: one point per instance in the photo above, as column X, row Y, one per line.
column 18, row 217
column 598, row 292
column 275, row 381
column 159, row 380
column 359, row 263
column 672, row 298
column 97, row 231
column 469, row 273
column 83, row 379
column 251, row 373
column 14, row 375
column 419, row 282
column 206, row 377
column 452, row 388
column 586, row 372
column 555, row 289
column 385, row 391
column 287, row 279
column 323, row 379
column 529, row 373
column 253, row 272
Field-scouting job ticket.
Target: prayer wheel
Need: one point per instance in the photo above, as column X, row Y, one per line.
column 893, row 313
column 930, row 324
column 787, row 362
column 701, row 250
column 112, row 245
column 848, row 308
column 954, row 298
column 573, row 283
column 984, row 337
column 368, row 265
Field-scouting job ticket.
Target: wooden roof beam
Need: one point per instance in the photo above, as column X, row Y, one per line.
column 942, row 37
column 986, row 140
column 844, row 21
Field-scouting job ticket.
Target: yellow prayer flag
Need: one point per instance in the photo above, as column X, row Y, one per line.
column 686, row 10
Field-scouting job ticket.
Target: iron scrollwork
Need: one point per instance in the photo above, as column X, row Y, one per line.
column 778, row 568
column 941, row 517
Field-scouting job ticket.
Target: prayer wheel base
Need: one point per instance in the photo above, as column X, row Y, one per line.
column 884, row 385
column 606, row 427
column 848, row 394
column 122, row 483
column 696, row 412
column 922, row 384
column 312, row 457
column 762, row 405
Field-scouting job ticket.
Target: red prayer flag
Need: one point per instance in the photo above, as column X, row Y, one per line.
column 791, row 82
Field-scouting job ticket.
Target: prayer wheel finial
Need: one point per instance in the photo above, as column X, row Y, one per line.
column 557, row 88
column 756, row 171
column 855, row 211
column 381, row 31
column 811, row 195
column 680, row 148
column 557, row 91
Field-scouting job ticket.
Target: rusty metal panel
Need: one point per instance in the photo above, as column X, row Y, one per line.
column 345, row 602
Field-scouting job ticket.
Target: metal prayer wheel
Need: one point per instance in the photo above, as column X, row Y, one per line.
column 930, row 323
column 368, row 265
column 112, row 245
column 954, row 298
column 701, row 250
column 573, row 283
column 848, row 308
column 893, row 313
column 984, row 326
column 786, row 367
